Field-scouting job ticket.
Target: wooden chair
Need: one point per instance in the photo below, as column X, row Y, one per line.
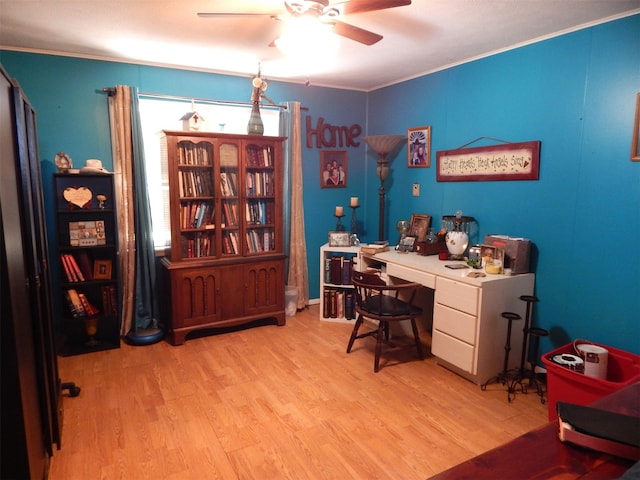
column 385, row 303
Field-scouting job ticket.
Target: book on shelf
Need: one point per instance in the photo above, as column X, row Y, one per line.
column 338, row 303
column 72, row 268
column 333, row 307
column 79, row 305
column 338, row 269
column 109, row 300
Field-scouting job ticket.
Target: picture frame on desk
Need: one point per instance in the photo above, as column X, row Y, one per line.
column 339, row 239
column 102, row 270
column 419, row 226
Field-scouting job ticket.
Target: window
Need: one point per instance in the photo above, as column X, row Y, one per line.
column 157, row 114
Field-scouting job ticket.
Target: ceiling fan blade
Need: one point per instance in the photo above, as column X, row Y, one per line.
column 214, row 14
column 360, row 6
column 355, row 33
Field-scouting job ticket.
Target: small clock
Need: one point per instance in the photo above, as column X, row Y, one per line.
column 63, row 162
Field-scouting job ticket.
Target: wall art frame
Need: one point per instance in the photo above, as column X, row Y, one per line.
column 635, row 141
column 508, row 161
column 419, row 147
column 333, row 168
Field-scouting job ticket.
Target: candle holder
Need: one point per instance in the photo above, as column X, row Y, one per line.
column 339, row 226
column 354, row 220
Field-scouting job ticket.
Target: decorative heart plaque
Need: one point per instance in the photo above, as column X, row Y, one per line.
column 79, row 197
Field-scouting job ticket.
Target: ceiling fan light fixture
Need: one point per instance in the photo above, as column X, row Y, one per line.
column 304, row 36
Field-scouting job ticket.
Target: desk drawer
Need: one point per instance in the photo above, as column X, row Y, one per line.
column 453, row 351
column 457, row 295
column 411, row 275
column 455, row 323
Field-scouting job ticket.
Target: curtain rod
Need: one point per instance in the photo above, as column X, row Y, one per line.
column 112, row 91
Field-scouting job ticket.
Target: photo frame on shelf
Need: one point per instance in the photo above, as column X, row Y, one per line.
column 339, row 239
column 635, row 142
column 102, row 270
column 419, row 147
column 333, row 168
column 419, row 226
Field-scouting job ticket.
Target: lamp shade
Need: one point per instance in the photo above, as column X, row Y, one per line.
column 384, row 144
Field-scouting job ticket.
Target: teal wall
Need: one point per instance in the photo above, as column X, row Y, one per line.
column 574, row 93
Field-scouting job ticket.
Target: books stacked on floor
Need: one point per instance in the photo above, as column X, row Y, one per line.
column 338, row 303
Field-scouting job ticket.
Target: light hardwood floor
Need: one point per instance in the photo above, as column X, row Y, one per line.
column 276, row 403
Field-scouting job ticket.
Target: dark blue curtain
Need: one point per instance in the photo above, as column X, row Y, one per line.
column 146, row 307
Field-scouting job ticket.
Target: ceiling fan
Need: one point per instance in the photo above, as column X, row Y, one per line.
column 327, row 13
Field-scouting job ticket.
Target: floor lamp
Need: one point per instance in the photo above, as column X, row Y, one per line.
column 383, row 145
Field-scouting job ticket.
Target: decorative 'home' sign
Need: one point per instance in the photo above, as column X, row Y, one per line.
column 511, row 161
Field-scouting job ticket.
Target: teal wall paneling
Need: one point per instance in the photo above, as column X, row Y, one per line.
column 574, row 93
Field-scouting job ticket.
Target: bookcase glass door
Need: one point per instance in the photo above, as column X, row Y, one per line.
column 197, row 220
column 260, row 199
column 229, row 199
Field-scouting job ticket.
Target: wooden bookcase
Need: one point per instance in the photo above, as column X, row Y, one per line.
column 225, row 266
column 87, row 261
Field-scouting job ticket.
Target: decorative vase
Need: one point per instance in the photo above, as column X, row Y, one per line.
column 457, row 242
column 255, row 125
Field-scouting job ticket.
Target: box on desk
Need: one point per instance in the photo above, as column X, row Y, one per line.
column 517, row 251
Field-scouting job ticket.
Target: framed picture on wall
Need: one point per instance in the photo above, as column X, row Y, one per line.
column 333, row 168
column 419, row 147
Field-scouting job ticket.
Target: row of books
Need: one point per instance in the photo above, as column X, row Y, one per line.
column 230, row 213
column 195, row 183
column 197, row 245
column 338, row 269
column 230, row 243
column 338, row 304
column 262, row 240
column 259, row 156
column 80, row 306
column 76, row 270
column 229, row 184
column 196, row 215
column 260, row 184
column 191, row 154
column 259, row 212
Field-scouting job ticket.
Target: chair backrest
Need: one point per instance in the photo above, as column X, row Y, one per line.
column 376, row 299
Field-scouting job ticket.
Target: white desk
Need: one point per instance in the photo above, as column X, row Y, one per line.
column 469, row 333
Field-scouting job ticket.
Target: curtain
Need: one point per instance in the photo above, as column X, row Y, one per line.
column 294, row 238
column 120, row 123
column 137, row 255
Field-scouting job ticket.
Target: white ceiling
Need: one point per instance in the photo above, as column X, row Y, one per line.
column 424, row 37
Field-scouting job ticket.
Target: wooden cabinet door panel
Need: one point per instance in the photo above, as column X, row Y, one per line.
column 264, row 291
column 195, row 300
column 232, row 290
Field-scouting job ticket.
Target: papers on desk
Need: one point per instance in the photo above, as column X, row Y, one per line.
column 373, row 248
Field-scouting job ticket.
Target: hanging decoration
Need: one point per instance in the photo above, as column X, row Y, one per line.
column 259, row 86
